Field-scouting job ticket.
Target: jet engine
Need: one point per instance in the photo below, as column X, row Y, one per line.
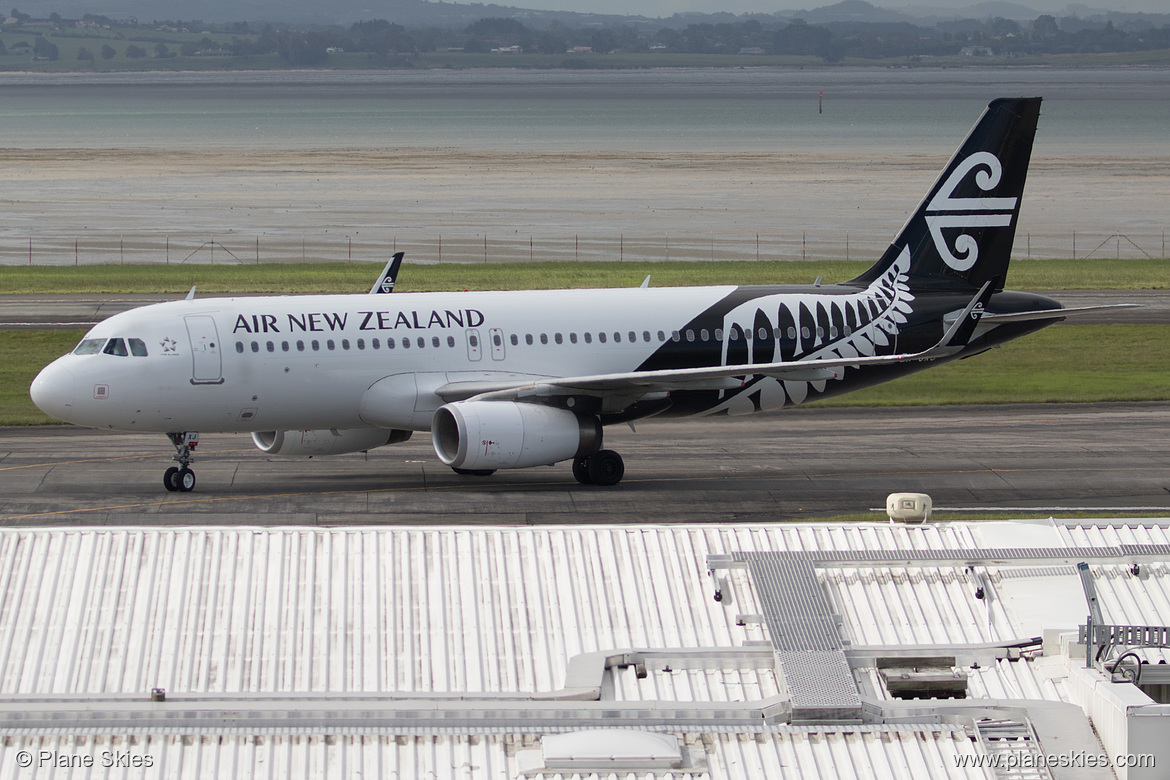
column 486, row 435
column 325, row 442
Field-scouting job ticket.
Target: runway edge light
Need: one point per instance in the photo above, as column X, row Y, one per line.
column 908, row 507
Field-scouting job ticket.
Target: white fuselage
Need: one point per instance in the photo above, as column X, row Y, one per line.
column 306, row 362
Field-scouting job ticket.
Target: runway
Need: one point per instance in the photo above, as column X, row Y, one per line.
column 804, row 463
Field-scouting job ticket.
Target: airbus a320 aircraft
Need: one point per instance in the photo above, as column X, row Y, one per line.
column 508, row 380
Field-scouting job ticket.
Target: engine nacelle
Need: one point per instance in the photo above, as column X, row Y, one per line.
column 325, row 442
column 504, row 435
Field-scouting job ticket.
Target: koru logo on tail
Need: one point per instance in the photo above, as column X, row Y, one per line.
column 946, row 211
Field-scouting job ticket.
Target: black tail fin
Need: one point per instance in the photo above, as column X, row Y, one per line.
column 961, row 234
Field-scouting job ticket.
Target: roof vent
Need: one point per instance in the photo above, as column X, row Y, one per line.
column 610, row 750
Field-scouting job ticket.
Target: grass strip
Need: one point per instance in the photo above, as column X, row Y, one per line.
column 1060, row 364
column 357, row 277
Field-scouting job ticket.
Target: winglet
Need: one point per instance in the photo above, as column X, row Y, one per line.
column 959, row 333
column 645, row 282
column 190, row 294
column 389, row 275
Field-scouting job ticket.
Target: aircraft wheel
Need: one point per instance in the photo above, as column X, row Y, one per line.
column 581, row 470
column 606, row 468
column 185, row 479
column 473, row 472
column 171, row 478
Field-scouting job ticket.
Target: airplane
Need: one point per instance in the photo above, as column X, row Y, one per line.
column 510, row 380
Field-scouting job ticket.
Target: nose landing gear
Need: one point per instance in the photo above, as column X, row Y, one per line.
column 181, row 478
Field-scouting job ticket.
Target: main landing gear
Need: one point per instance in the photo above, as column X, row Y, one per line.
column 181, row 478
column 604, row 467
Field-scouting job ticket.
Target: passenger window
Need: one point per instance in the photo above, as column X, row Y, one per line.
column 375, row 344
column 617, row 338
column 762, row 333
column 661, row 336
column 284, row 346
column 572, row 338
column 601, row 337
column 345, row 343
column 137, row 348
column 271, row 347
column 690, row 335
column 316, row 345
column 557, row 338
column 820, row 333
column 435, row 341
column 94, row 346
column 792, row 334
column 528, row 339
column 361, row 343
column 300, row 346
column 450, row 341
column 497, row 340
column 240, row 347
column 804, row 334
column 389, row 343
column 719, row 334
column 588, row 338
column 515, row 340
column 116, row 347
column 406, row 343
column 703, row 334
column 472, row 340
column 421, row 342
column 330, row 345
column 255, row 347
column 646, row 336
column 543, row 338
column 633, row 337
column 674, row 336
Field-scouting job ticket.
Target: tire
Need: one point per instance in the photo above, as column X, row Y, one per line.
column 185, row 480
column 581, row 470
column 606, row 468
column 171, row 479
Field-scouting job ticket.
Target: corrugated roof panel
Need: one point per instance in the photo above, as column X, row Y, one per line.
column 861, row 754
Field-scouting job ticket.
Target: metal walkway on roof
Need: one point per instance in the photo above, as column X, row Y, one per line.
column 803, row 630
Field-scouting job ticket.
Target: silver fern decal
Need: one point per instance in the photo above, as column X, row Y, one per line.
column 789, row 327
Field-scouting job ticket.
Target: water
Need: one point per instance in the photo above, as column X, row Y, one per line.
column 1087, row 112
column 564, row 165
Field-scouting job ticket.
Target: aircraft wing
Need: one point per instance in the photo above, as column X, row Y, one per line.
column 714, row 377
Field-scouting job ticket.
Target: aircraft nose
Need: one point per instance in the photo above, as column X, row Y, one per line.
column 53, row 391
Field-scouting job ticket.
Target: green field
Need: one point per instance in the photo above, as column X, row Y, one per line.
column 357, row 277
column 1063, row 363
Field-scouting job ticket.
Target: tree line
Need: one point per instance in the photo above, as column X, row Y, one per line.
column 392, row 43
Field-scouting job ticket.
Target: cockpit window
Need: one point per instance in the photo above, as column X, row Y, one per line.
column 116, row 347
column 137, row 348
column 89, row 347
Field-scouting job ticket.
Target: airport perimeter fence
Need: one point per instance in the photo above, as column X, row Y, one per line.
column 235, row 249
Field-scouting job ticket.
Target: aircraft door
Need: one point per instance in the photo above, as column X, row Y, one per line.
column 497, row 337
column 474, row 347
column 206, row 364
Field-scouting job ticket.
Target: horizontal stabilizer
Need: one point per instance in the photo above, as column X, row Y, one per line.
column 1051, row 314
